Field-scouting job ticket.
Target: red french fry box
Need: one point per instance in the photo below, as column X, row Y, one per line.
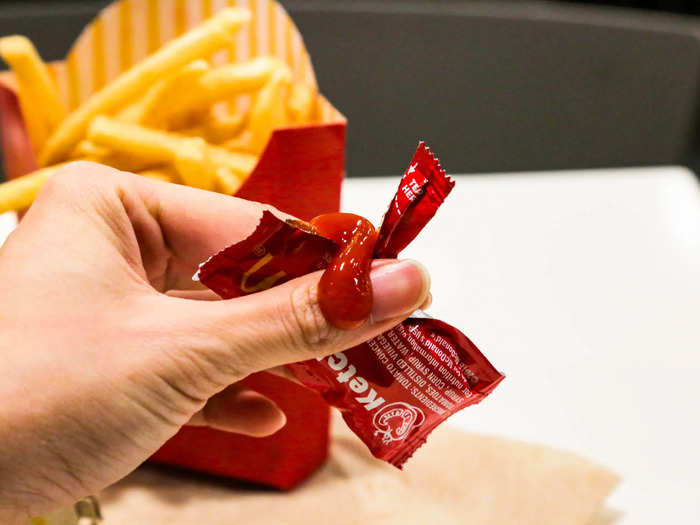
column 300, row 172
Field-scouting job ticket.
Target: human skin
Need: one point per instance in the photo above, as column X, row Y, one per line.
column 107, row 346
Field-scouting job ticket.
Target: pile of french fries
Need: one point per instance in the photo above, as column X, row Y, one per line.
column 169, row 117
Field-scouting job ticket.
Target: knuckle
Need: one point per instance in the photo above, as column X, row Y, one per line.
column 74, row 176
column 64, row 178
column 307, row 326
column 192, row 356
column 219, row 349
column 217, row 361
column 207, row 358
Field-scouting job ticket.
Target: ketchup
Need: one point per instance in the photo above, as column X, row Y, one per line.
column 394, row 389
column 345, row 289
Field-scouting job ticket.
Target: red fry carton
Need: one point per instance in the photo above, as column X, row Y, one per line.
column 300, row 172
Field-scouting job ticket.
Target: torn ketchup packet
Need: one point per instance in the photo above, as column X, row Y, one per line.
column 422, row 190
column 394, row 389
column 279, row 249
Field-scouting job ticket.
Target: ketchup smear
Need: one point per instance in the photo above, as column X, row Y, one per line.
column 345, row 289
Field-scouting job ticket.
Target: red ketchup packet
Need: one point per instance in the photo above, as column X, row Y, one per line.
column 394, row 389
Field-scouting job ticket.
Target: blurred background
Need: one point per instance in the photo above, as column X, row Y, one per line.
column 584, row 285
column 501, row 86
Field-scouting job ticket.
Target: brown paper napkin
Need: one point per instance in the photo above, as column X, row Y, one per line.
column 455, row 478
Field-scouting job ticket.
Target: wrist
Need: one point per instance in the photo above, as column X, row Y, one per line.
column 27, row 488
column 10, row 512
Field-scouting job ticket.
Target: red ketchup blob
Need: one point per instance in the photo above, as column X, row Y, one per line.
column 345, row 289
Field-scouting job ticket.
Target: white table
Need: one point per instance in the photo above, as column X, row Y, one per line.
column 584, row 289
column 8, row 221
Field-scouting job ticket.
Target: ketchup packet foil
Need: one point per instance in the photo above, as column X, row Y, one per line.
column 394, row 389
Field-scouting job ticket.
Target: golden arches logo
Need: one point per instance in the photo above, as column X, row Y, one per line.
column 265, row 283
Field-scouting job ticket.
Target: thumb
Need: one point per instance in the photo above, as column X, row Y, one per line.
column 285, row 324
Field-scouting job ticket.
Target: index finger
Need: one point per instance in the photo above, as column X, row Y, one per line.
column 191, row 224
column 168, row 228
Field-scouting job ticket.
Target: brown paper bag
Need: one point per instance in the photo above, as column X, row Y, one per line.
column 457, row 478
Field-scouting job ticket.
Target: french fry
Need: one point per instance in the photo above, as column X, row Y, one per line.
column 200, row 42
column 215, row 85
column 35, row 89
column 32, row 74
column 196, row 163
column 132, row 112
column 145, row 110
column 165, row 174
column 217, row 128
column 227, row 81
column 86, row 149
column 240, row 164
column 193, row 164
column 227, row 182
column 19, row 193
column 157, row 146
column 148, row 144
column 242, row 142
column 300, row 103
column 125, row 161
column 268, row 111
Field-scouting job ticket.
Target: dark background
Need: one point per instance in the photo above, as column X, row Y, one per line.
column 492, row 86
column 690, row 7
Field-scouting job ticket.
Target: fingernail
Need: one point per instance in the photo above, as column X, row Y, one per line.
column 398, row 289
column 428, row 301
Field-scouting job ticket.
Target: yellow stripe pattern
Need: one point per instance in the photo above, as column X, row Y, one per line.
column 73, row 81
column 206, row 9
column 274, row 30
column 180, row 17
column 252, row 29
column 126, row 58
column 152, row 25
column 98, row 54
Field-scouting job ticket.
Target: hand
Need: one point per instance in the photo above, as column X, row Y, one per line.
column 107, row 347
